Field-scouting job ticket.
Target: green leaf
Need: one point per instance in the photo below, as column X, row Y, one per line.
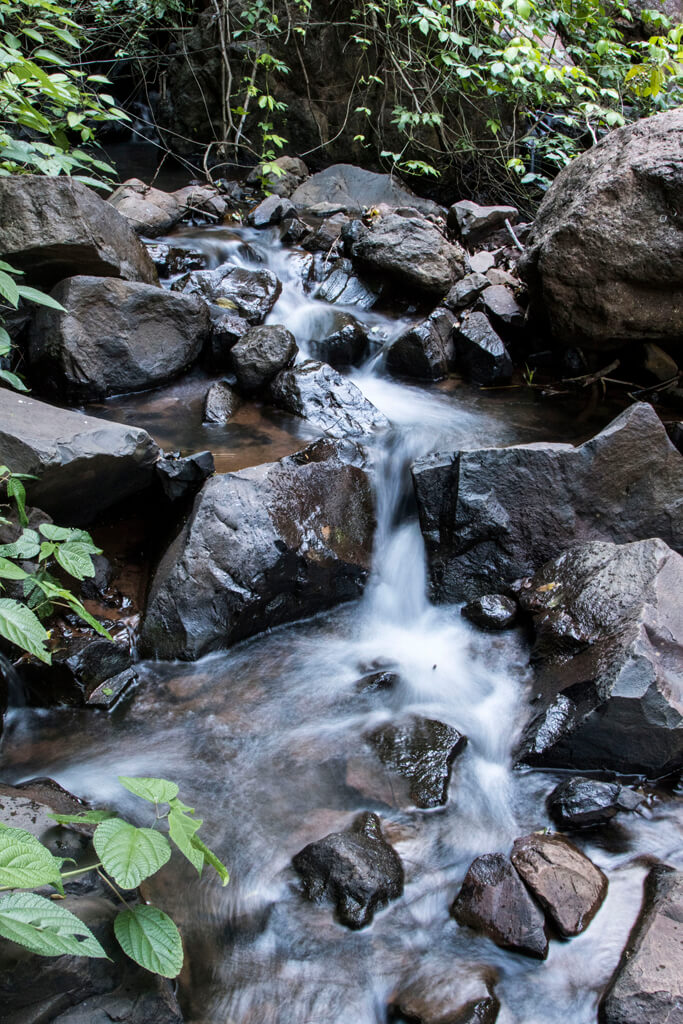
column 10, row 571
column 45, row 928
column 211, row 859
column 151, row 939
column 155, row 791
column 40, row 298
column 24, row 862
column 84, row 818
column 74, row 557
column 13, row 381
column 182, row 828
column 16, row 490
column 130, row 854
column 22, row 627
column 25, row 546
column 9, row 289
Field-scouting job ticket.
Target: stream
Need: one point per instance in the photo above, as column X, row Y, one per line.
column 265, row 739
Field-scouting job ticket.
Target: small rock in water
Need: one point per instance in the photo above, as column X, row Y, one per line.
column 422, row 750
column 461, row 995
column 375, row 681
column 647, row 986
column 260, row 355
column 482, row 352
column 426, row 350
column 221, row 403
column 226, row 330
column 569, row 887
column 182, row 476
column 494, row 900
column 578, row 802
column 356, row 869
column 250, row 294
column 492, row 611
column 346, row 345
column 341, row 285
column 319, row 394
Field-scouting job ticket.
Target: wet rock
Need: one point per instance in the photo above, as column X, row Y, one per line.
column 260, row 354
column 250, row 294
column 482, row 352
column 79, row 664
column 351, row 189
column 648, row 982
column 82, row 465
column 604, row 259
column 319, row 394
column 569, row 887
column 181, row 476
column 346, row 345
column 110, row 691
column 425, row 351
column 290, row 174
column 492, row 611
column 494, row 900
column 327, row 236
column 675, row 432
column 152, row 212
column 175, row 259
column 52, row 228
column 577, row 803
column 272, row 210
column 373, row 682
column 422, row 750
column 341, row 285
column 494, row 515
column 452, row 997
column 465, row 292
column 264, row 546
column 609, row 643
column 115, row 337
column 474, row 222
column 221, row 403
column 502, row 306
column 356, row 869
column 410, row 250
column 225, row 331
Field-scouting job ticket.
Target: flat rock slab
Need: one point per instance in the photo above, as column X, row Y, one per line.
column 349, row 188
column 322, row 396
column 114, row 338
column 493, row 515
column 83, row 465
column 608, row 656
column 647, row 986
column 569, row 887
column 268, row 545
column 356, row 869
column 494, row 900
column 53, row 228
column 422, row 750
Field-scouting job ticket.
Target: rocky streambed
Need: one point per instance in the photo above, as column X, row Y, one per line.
column 413, row 651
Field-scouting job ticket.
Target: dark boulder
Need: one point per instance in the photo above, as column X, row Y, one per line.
column 604, row 259
column 345, row 345
column 374, row 682
column 410, row 250
column 272, row 210
column 327, row 237
column 341, row 285
column 493, row 515
column 115, row 337
column 225, row 331
column 351, row 189
column 221, row 403
column 320, row 394
column 481, row 352
column 609, row 644
column 494, row 900
column 52, row 228
column 260, row 354
column 501, row 305
column 357, row 870
column 422, row 750
column 264, row 546
column 647, row 985
column 250, row 294
column 82, row 465
column 578, row 803
column 473, row 222
column 425, row 351
column 466, row 291
column 181, row 476
column 152, row 212
column 569, row 887
column 492, row 611
column 80, row 663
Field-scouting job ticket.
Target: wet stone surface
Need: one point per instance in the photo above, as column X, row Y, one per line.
column 422, row 750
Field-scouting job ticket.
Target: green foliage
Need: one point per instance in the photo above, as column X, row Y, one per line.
column 11, row 293
column 127, row 856
column 28, row 561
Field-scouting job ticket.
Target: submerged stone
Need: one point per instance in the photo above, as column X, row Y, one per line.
column 492, row 611
column 578, row 803
column 422, row 750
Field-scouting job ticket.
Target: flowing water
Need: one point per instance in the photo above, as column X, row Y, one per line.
column 265, row 740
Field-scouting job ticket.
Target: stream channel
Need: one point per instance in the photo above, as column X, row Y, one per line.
column 265, row 739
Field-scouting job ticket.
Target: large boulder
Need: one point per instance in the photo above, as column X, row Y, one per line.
column 152, row 212
column 493, row 515
column 115, row 337
column 349, row 189
column 250, row 294
column 263, row 546
column 608, row 652
column 426, row 350
column 357, row 869
column 52, row 228
column 320, row 394
column 648, row 982
column 82, row 465
column 605, row 255
column 410, row 250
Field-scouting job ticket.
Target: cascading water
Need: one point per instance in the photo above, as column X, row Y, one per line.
column 265, row 740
